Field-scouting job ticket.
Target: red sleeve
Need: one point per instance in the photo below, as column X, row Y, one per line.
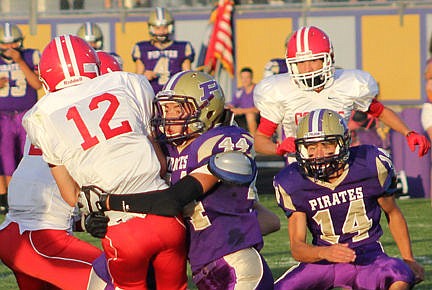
column 267, row 127
column 375, row 108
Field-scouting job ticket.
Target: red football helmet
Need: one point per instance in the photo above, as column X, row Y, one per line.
column 68, row 60
column 310, row 43
column 108, row 63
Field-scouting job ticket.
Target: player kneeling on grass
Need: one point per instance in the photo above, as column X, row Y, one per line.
column 224, row 233
column 338, row 192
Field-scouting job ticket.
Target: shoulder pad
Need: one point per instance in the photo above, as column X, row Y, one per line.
column 233, row 167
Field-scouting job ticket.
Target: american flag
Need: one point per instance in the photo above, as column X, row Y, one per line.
column 220, row 47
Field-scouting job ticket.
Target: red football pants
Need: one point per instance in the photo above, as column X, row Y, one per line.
column 44, row 257
column 130, row 247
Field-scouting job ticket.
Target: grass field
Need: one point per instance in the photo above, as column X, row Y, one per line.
column 418, row 213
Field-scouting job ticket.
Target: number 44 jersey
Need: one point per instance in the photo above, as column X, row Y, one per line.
column 346, row 211
column 98, row 130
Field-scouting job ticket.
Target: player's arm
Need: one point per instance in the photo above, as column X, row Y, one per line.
column 399, row 230
column 307, row 253
column 186, row 64
column 30, row 75
column 391, row 119
column 268, row 221
column 264, row 144
column 68, row 187
column 232, row 167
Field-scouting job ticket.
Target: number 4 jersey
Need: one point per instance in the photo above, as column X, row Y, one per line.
column 343, row 212
column 98, row 130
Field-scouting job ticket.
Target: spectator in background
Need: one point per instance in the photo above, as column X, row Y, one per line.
column 161, row 57
column 19, row 83
column 364, row 130
column 76, row 4
column 242, row 105
column 313, row 83
column 426, row 114
column 338, row 193
column 93, row 35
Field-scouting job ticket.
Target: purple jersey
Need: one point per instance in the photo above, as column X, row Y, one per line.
column 345, row 212
column 164, row 62
column 223, row 221
column 242, row 99
column 18, row 95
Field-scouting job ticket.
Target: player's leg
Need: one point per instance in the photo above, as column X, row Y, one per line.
column 307, row 276
column 131, row 245
column 170, row 262
column 384, row 273
column 27, row 282
column 48, row 255
column 244, row 269
column 5, row 147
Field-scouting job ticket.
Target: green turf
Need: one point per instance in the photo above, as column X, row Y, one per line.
column 418, row 213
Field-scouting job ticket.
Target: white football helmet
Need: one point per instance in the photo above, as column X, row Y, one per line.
column 310, row 43
column 67, row 60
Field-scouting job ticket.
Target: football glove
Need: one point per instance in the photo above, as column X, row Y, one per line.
column 287, row 146
column 96, row 224
column 414, row 138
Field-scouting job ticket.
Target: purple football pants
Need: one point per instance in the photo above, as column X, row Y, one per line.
column 372, row 270
column 222, row 274
column 12, row 139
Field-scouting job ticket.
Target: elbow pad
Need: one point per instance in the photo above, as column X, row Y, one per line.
column 233, row 167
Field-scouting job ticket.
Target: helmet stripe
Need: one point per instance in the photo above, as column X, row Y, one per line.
column 306, row 39
column 7, row 31
column 160, row 13
column 315, row 121
column 173, row 81
column 88, row 29
column 62, row 57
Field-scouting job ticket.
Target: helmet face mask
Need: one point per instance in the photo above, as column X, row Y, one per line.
column 92, row 34
column 161, row 25
column 190, row 104
column 329, row 130
column 310, row 44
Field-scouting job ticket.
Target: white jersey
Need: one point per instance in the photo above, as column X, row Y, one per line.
column 426, row 116
column 99, row 131
column 34, row 200
column 281, row 101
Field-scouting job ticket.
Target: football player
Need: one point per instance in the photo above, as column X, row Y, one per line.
column 313, row 83
column 162, row 57
column 95, row 130
column 338, row 192
column 19, row 83
column 204, row 149
column 35, row 239
column 92, row 33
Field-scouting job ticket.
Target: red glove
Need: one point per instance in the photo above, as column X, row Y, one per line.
column 414, row 138
column 287, row 146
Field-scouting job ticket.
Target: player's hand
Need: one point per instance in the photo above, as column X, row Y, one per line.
column 13, row 54
column 96, row 224
column 338, row 253
column 414, row 138
column 287, row 146
column 92, row 199
column 417, row 269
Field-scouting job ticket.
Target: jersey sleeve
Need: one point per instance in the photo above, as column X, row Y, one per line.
column 136, row 52
column 37, row 128
column 189, row 52
column 426, row 116
column 283, row 198
column 367, row 90
column 385, row 171
column 265, row 101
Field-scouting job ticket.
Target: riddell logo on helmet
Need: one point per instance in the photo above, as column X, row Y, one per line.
column 72, row 81
column 303, row 53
